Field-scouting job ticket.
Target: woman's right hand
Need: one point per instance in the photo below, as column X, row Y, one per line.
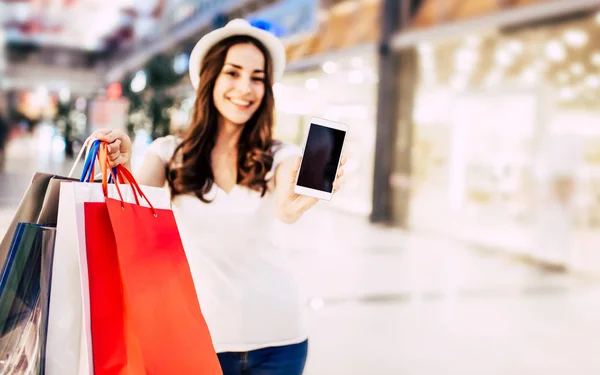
column 119, row 146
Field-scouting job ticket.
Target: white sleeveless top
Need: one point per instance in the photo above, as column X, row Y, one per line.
column 247, row 292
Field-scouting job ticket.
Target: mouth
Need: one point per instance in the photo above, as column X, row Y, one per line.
column 240, row 103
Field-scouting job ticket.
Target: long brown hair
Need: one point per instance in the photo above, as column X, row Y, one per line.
column 190, row 170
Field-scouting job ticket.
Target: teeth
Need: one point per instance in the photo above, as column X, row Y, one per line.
column 240, row 102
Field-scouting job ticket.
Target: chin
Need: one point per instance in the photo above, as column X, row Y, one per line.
column 238, row 120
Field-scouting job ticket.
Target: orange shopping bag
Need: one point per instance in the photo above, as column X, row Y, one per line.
column 145, row 315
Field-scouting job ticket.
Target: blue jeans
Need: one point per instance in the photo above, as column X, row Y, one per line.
column 277, row 360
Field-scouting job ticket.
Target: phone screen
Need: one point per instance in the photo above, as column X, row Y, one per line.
column 321, row 158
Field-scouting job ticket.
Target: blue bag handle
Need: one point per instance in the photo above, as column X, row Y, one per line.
column 89, row 162
column 86, row 175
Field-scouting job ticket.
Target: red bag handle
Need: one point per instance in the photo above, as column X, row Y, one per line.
column 129, row 176
column 123, row 176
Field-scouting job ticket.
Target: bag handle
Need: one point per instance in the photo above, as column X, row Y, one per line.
column 124, row 174
column 90, row 160
column 103, row 155
column 85, row 147
column 90, row 164
column 88, row 169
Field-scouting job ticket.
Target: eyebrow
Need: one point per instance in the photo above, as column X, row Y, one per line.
column 240, row 67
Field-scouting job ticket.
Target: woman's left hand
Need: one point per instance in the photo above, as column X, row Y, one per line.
column 291, row 206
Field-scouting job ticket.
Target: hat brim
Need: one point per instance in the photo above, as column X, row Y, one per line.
column 273, row 45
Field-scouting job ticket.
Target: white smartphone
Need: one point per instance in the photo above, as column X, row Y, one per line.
column 321, row 158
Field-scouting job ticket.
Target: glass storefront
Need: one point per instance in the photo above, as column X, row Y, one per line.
column 344, row 90
column 507, row 141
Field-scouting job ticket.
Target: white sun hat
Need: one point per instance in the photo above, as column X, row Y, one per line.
column 235, row 27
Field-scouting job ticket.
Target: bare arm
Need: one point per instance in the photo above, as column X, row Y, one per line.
column 284, row 187
column 152, row 172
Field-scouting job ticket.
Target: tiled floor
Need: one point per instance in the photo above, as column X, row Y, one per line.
column 380, row 301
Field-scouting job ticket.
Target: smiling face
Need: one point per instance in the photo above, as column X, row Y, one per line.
column 240, row 87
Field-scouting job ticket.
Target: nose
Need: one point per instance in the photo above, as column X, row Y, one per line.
column 243, row 85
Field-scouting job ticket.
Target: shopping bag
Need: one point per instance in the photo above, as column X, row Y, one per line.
column 69, row 344
column 158, row 326
column 48, row 240
column 39, row 205
column 21, row 300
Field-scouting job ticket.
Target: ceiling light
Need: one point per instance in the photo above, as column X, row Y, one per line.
column 138, row 83
column 596, row 59
column 555, row 51
column 64, row 95
column 575, row 38
column 356, row 76
column 312, row 84
column 592, row 81
column 503, row 58
column 425, row 48
column 515, row 47
column 577, row 69
column 567, row 93
column 329, row 67
column 181, row 63
column 465, row 59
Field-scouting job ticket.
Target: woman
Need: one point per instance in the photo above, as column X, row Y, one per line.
column 229, row 183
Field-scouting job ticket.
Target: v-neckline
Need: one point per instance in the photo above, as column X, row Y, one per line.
column 227, row 194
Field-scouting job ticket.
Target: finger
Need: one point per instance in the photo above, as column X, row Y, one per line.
column 105, row 136
column 114, row 146
column 114, row 156
column 118, row 161
column 295, row 168
column 337, row 184
column 340, row 173
column 297, row 163
column 343, row 161
column 336, row 187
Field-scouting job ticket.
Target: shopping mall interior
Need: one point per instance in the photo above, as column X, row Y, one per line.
column 495, row 270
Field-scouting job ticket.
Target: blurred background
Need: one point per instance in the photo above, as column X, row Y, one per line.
column 466, row 238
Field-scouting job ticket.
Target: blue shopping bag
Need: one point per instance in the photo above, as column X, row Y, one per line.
column 21, row 302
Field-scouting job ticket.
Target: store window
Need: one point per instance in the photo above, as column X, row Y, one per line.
column 507, row 142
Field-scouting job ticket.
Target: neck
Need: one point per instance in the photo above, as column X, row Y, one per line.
column 228, row 134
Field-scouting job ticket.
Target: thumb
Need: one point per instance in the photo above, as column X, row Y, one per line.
column 294, row 169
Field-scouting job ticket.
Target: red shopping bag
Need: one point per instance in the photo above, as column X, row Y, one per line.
column 145, row 315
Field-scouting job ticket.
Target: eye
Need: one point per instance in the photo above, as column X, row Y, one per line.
column 232, row 73
column 258, row 79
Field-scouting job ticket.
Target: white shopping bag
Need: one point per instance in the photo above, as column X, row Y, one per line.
column 69, row 345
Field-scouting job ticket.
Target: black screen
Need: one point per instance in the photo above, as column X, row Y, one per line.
column 321, row 158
